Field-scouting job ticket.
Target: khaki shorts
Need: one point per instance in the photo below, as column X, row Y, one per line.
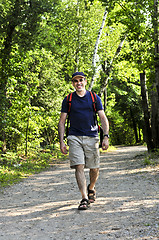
column 84, row 150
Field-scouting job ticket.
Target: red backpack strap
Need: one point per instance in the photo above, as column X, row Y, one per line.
column 94, row 100
column 69, row 100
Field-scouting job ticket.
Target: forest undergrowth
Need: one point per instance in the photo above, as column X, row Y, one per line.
column 14, row 167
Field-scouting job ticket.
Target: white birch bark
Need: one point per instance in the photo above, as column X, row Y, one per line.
column 96, row 49
column 78, row 42
column 109, row 69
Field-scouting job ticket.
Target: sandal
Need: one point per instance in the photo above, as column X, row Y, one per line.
column 91, row 194
column 84, row 204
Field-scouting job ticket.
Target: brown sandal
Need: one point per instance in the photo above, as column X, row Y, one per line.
column 91, row 195
column 84, row 204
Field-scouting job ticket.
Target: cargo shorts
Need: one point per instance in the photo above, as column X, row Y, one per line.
column 84, row 150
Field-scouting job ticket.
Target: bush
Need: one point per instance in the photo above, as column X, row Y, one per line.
column 15, row 166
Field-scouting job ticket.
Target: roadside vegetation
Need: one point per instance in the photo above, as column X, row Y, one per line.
column 14, row 167
column 152, row 159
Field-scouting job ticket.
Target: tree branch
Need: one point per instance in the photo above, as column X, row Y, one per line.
column 109, row 69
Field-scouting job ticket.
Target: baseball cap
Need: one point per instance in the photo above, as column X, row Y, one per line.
column 79, row 74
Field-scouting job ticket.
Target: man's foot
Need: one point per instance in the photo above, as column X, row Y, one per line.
column 91, row 194
column 84, row 204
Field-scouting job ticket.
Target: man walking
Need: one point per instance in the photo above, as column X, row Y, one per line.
column 83, row 138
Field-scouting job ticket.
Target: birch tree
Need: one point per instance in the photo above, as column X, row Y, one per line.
column 96, row 49
column 107, row 69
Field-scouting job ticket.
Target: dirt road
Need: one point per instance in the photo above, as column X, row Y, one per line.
column 44, row 206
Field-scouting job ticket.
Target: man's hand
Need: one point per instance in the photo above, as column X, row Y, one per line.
column 63, row 148
column 105, row 143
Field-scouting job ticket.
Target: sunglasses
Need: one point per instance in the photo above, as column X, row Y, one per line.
column 80, row 80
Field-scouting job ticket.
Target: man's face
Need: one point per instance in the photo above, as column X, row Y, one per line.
column 79, row 83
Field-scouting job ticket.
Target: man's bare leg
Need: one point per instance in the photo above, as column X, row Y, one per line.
column 81, row 180
column 93, row 174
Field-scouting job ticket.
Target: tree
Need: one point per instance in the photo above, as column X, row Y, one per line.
column 145, row 106
column 42, row 46
column 19, row 21
column 141, row 21
column 155, row 91
column 96, row 49
column 42, row 52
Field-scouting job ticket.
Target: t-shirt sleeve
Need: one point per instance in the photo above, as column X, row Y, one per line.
column 99, row 104
column 64, row 107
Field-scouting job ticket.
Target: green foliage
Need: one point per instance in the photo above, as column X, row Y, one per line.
column 43, row 42
column 35, row 98
column 15, row 166
column 152, row 158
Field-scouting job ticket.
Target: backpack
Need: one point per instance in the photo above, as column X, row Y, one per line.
column 94, row 103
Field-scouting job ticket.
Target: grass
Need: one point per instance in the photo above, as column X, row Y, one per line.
column 15, row 166
column 152, row 159
column 110, row 149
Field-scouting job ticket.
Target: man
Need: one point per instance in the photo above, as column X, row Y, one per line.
column 83, row 138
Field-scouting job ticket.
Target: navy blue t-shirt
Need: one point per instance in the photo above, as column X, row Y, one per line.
column 81, row 115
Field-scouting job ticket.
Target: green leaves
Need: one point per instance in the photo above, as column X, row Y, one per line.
column 43, row 42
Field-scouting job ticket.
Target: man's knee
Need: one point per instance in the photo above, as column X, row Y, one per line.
column 94, row 170
column 79, row 167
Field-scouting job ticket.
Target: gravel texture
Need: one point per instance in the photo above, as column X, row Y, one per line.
column 44, row 206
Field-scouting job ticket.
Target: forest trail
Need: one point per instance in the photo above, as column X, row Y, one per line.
column 44, row 206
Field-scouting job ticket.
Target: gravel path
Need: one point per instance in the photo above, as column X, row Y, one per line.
column 44, row 206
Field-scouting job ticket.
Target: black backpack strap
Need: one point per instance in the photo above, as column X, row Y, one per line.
column 69, row 101
column 100, row 130
column 94, row 102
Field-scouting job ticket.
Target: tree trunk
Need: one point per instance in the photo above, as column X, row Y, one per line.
column 4, row 103
column 78, row 41
column 148, row 131
column 96, row 49
column 26, row 138
column 139, row 133
column 105, row 99
column 107, row 70
column 134, row 126
column 155, row 91
column 154, row 116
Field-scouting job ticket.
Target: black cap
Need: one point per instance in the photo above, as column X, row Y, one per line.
column 80, row 74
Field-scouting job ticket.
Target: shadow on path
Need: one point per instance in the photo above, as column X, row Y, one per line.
column 44, row 206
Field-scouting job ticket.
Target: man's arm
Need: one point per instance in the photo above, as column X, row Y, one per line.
column 105, row 126
column 61, row 131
